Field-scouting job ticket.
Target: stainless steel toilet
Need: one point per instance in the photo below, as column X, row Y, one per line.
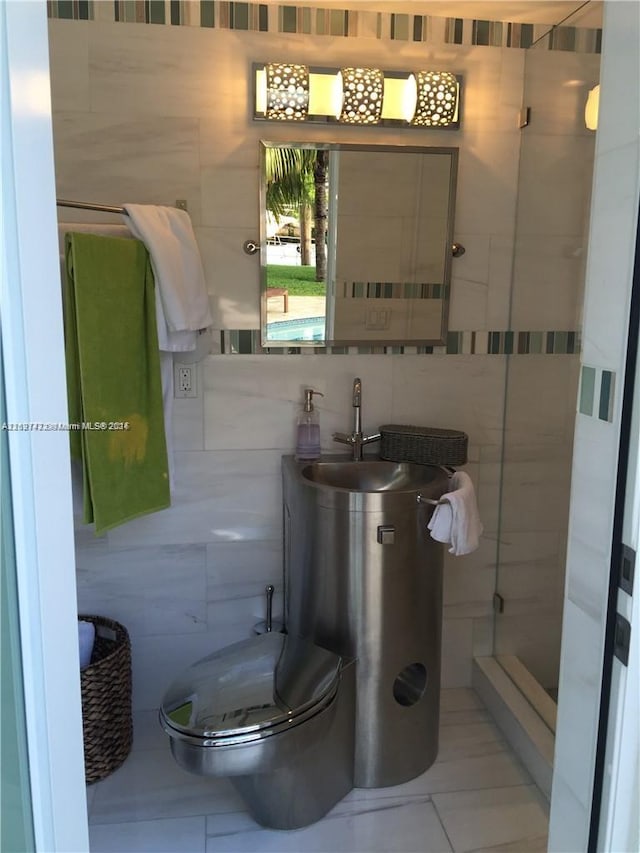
column 276, row 715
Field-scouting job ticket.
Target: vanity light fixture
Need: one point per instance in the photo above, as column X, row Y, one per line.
column 365, row 96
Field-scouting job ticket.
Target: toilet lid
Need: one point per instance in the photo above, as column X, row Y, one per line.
column 252, row 685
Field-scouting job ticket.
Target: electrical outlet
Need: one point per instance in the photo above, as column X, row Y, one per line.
column 184, row 380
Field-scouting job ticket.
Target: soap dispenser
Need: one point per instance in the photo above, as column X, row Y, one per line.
column 308, row 429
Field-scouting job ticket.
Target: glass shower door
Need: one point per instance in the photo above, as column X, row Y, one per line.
column 554, row 190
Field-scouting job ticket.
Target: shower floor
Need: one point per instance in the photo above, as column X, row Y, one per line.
column 476, row 796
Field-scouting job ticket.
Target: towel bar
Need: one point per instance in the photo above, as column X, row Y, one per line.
column 422, row 500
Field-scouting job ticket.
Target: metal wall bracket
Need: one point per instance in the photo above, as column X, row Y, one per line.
column 627, row 569
column 622, row 639
column 498, row 603
column 524, row 117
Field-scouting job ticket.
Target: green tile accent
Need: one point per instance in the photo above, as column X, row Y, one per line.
column 400, row 27
column 550, row 342
column 563, row 38
column 519, row 35
column 480, row 32
column 288, row 19
column 453, row 31
column 508, row 343
column 338, row 25
column 587, row 390
column 174, row 9
column 320, row 22
column 306, row 20
column 65, row 9
column 418, row 27
column 560, row 343
column 607, row 383
column 535, row 342
column 207, row 13
column 239, row 18
column 85, row 10
column 523, row 342
column 245, row 341
column 526, row 35
column 453, row 343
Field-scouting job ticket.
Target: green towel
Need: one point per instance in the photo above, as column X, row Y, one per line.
column 113, row 379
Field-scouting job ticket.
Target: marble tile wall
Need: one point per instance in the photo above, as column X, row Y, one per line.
column 152, row 114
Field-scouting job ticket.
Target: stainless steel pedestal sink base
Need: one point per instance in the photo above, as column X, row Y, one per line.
column 364, row 579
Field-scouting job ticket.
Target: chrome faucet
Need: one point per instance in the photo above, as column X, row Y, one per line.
column 356, row 439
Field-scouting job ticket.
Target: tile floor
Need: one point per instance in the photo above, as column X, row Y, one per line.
column 476, row 797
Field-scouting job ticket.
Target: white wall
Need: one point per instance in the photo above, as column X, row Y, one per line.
column 153, row 113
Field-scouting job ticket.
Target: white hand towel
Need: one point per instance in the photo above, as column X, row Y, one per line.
column 456, row 519
column 182, row 302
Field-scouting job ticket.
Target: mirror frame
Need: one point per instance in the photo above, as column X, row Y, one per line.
column 341, row 146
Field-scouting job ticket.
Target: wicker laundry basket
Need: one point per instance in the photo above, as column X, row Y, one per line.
column 106, row 700
column 424, row 445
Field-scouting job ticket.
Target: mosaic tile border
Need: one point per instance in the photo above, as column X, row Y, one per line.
column 347, row 23
column 391, row 290
column 247, row 342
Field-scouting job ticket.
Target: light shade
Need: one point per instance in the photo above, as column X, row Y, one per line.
column 362, row 90
column 437, row 99
column 282, row 90
column 592, row 108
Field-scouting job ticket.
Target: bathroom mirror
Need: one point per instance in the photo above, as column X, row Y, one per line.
column 356, row 243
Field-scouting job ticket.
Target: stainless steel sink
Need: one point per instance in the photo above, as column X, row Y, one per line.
column 377, row 475
column 363, row 578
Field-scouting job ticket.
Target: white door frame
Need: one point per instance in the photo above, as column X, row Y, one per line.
column 32, row 339
column 616, row 819
column 578, row 797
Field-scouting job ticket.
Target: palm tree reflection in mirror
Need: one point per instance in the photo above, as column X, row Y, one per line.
column 296, row 206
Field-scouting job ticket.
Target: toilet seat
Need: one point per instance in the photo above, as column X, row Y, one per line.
column 250, row 690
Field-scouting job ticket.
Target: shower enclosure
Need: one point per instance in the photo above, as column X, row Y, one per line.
column 542, row 369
